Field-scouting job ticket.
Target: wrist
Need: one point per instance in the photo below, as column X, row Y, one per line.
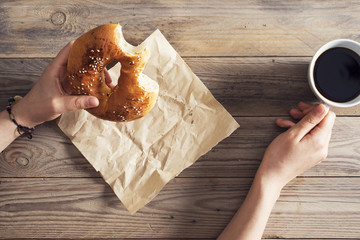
column 8, row 124
column 8, row 131
column 269, row 185
column 21, row 114
column 20, row 127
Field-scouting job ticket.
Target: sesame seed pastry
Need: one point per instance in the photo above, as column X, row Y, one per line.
column 134, row 95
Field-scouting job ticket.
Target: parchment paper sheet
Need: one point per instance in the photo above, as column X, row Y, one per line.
column 138, row 158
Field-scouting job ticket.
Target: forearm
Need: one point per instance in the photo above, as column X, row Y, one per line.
column 250, row 220
column 8, row 131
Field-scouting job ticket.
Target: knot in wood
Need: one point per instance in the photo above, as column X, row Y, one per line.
column 58, row 18
column 23, row 161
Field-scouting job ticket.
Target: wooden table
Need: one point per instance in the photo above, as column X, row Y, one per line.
column 252, row 55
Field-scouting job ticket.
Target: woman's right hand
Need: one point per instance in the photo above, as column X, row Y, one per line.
column 301, row 147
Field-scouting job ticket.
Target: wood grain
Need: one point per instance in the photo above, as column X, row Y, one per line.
column 35, row 28
column 187, row 208
column 253, row 55
column 244, row 86
column 51, row 154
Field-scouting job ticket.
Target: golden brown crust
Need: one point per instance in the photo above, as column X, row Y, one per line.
column 89, row 56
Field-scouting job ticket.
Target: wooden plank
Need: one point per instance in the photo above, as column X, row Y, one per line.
column 258, row 86
column 147, row 239
column 241, row 153
column 187, row 208
column 34, row 28
column 51, row 154
column 245, row 86
column 140, row 238
column 177, row 238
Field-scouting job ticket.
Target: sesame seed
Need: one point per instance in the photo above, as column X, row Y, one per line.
column 91, row 50
column 82, row 84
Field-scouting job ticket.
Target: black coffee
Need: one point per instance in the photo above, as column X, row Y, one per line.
column 337, row 74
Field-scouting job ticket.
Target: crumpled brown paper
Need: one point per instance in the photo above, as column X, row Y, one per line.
column 138, row 158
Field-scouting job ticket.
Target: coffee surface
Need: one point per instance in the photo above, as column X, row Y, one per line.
column 337, row 74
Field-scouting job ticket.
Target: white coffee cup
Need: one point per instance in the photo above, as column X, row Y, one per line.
column 343, row 43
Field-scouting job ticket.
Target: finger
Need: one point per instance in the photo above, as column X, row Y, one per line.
column 303, row 106
column 306, row 111
column 296, row 113
column 284, row 123
column 324, row 129
column 71, row 103
column 108, row 79
column 62, row 57
column 308, row 122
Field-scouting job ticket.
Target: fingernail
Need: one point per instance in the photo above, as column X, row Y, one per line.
column 93, row 102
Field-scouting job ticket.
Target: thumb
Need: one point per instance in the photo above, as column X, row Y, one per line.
column 71, row 103
column 310, row 120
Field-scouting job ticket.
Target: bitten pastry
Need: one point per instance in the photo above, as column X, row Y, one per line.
column 134, row 95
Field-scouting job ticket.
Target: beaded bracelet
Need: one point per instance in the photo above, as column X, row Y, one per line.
column 23, row 131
